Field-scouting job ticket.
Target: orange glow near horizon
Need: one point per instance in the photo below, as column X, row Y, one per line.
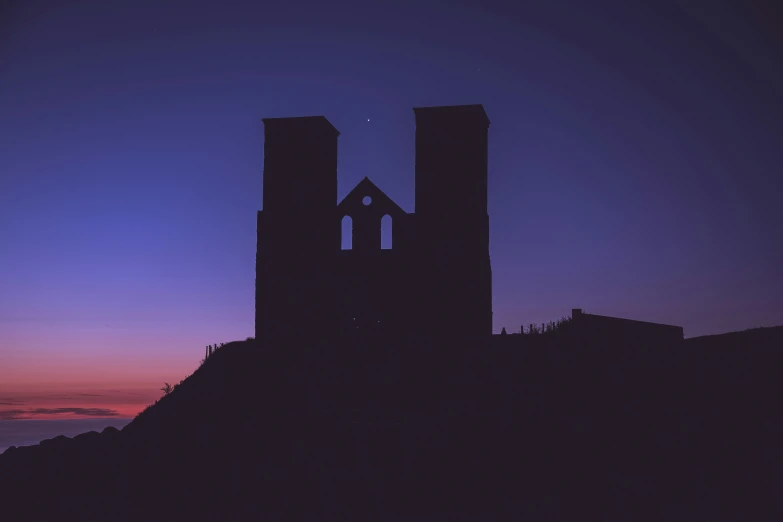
column 74, row 403
column 87, row 377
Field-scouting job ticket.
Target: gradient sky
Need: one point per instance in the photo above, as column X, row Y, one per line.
column 633, row 157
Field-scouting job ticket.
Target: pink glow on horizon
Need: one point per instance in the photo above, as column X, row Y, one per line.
column 74, row 402
column 81, row 372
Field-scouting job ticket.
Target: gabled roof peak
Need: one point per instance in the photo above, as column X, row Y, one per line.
column 367, row 188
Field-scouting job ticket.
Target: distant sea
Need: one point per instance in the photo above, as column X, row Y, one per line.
column 29, row 432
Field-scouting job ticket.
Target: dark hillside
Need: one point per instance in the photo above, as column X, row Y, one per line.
column 432, row 430
column 747, row 341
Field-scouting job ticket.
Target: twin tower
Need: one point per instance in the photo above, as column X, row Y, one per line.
column 435, row 278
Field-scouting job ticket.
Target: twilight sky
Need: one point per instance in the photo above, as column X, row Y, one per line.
column 633, row 151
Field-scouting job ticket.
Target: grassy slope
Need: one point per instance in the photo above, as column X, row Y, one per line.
column 439, row 427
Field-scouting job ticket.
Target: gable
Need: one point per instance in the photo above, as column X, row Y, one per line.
column 366, row 198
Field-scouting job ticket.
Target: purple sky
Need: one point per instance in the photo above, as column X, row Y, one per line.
column 633, row 152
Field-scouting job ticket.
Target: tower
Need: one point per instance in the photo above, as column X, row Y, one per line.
column 297, row 237
column 452, row 224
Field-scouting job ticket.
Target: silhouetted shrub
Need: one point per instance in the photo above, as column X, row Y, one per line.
column 548, row 328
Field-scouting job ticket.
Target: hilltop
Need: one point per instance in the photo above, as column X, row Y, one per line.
column 436, row 429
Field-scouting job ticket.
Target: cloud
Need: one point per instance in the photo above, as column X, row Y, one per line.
column 123, row 392
column 33, row 412
column 10, row 402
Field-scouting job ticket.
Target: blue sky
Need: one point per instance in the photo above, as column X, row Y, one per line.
column 634, row 161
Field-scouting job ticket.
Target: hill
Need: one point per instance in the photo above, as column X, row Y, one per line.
column 440, row 429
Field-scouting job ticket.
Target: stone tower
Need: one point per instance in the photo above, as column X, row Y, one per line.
column 452, row 223
column 297, row 238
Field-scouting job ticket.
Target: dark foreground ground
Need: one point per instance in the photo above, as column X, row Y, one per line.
column 434, row 430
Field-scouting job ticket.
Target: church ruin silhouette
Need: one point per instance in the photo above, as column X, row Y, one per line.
column 436, row 277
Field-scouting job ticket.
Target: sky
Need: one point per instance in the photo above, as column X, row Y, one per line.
column 634, row 148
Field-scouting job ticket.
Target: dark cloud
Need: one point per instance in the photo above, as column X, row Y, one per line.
column 125, row 392
column 63, row 396
column 33, row 412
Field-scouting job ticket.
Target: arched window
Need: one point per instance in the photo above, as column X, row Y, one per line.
column 347, row 233
column 386, row 232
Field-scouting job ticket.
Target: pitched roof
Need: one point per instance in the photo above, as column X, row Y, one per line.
column 367, row 188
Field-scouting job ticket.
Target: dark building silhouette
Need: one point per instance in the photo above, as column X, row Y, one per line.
column 434, row 279
column 605, row 328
